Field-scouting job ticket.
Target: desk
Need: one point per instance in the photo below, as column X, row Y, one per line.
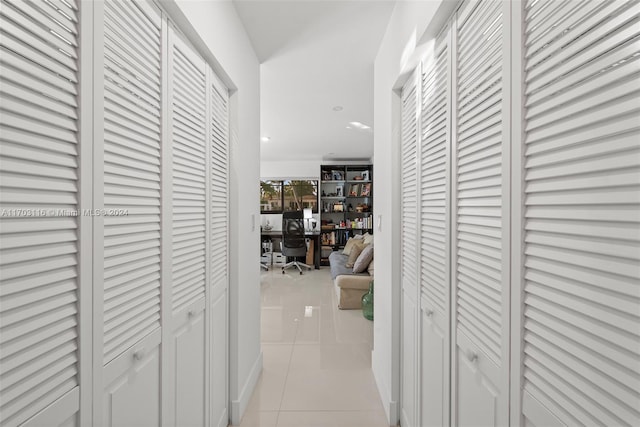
column 313, row 235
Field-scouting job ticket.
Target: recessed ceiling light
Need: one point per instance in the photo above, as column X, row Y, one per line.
column 265, row 139
column 337, row 108
column 359, row 126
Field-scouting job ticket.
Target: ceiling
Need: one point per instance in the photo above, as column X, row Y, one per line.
column 316, row 56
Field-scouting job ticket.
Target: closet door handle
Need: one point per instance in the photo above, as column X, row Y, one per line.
column 472, row 356
column 139, row 354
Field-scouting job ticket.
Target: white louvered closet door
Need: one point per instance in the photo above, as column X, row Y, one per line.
column 188, row 273
column 132, row 184
column 480, row 237
column 39, row 227
column 435, row 201
column 188, row 111
column 581, row 342
column 219, row 247
column 409, row 249
column 219, row 172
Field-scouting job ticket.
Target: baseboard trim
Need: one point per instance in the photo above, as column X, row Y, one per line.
column 240, row 405
column 390, row 406
column 394, row 414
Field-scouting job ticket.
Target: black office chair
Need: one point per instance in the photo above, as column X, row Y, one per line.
column 293, row 241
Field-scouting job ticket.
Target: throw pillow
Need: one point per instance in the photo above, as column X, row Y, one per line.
column 363, row 260
column 349, row 245
column 368, row 238
column 354, row 254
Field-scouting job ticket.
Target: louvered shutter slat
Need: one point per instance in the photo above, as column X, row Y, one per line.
column 189, row 176
column 540, row 336
column 116, row 76
column 434, row 179
column 572, row 13
column 14, row 18
column 124, row 62
column 562, row 56
column 68, row 8
column 131, row 179
column 50, row 19
column 39, row 173
column 409, row 183
column 137, row 23
column 17, row 36
column 539, row 12
column 141, row 47
column 63, row 112
column 61, row 65
column 219, row 132
column 582, row 242
column 31, row 80
column 481, row 13
column 479, row 177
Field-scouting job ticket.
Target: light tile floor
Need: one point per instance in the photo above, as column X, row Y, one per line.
column 317, row 359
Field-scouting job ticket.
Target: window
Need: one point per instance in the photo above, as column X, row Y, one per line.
column 288, row 195
column 270, row 196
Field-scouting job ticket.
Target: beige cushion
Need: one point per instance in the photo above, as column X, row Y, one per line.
column 363, row 260
column 356, row 249
column 368, row 238
column 349, row 245
column 370, row 268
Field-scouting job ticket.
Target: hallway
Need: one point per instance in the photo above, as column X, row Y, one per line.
column 317, row 359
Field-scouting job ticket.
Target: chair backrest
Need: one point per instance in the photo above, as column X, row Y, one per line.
column 293, row 230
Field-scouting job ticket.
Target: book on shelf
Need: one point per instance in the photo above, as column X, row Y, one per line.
column 364, row 223
column 328, row 239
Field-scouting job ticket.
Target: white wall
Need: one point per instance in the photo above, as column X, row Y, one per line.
column 298, row 169
column 224, row 40
column 399, row 54
column 290, row 169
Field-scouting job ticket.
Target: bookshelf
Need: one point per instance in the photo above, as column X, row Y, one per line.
column 346, row 204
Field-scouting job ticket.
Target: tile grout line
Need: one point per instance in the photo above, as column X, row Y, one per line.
column 286, row 377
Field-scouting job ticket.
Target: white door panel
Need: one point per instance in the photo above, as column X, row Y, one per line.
column 481, row 216
column 434, row 370
column 189, row 172
column 536, row 413
column 189, row 340
column 219, row 362
column 219, row 149
column 132, row 392
column 409, row 368
column 435, row 223
column 581, row 241
column 131, row 175
column 188, row 349
column 86, row 157
column 477, row 398
column 410, row 256
column 58, row 414
column 41, row 252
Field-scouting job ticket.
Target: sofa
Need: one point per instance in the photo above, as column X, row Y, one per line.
column 349, row 286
